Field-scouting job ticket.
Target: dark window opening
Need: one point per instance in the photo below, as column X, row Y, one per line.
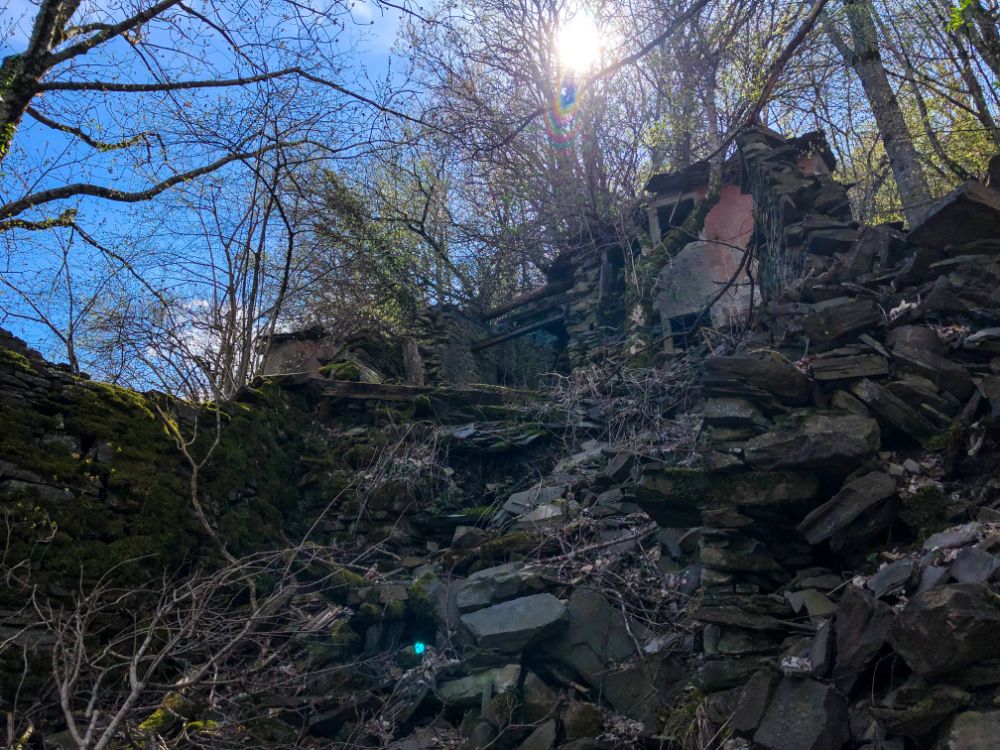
column 673, row 214
column 683, row 327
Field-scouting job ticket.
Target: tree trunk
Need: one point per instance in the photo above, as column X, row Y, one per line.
column 862, row 54
column 981, row 29
column 20, row 74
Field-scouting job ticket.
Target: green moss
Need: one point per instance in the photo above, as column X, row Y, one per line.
column 174, row 708
column 422, row 600
column 128, row 494
column 652, row 260
column 494, row 551
column 204, row 725
column 951, row 440
column 128, row 399
column 360, row 455
column 478, row 512
column 925, row 512
column 342, row 371
column 16, row 360
column 139, row 472
column 342, row 635
column 344, row 578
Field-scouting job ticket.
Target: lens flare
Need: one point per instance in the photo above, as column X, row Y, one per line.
column 579, row 43
column 559, row 121
column 578, row 47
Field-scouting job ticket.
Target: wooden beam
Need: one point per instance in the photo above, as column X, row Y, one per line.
column 849, row 367
column 538, row 293
column 516, row 332
column 392, row 392
column 538, row 307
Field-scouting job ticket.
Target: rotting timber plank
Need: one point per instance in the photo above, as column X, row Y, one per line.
column 392, row 392
column 514, row 333
column 552, row 288
column 545, row 305
column 849, row 367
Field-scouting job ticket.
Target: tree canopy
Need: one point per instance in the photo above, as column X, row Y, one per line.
column 179, row 180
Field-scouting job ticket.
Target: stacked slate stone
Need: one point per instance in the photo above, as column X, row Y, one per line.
column 858, row 423
column 583, row 322
column 430, row 330
column 594, row 312
column 444, row 335
column 801, row 217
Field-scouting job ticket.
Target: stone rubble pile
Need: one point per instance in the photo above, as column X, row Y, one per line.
column 831, row 560
column 821, row 572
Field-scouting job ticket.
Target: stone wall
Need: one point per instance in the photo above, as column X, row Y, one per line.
column 595, row 310
column 801, row 214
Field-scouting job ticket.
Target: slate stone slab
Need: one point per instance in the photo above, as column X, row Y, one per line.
column 804, row 715
column 973, row 565
column 510, row 627
column 733, row 412
column 674, row 496
column 862, row 627
column 543, row 738
column 894, row 410
column 850, row 367
column 620, row 466
column 957, row 536
column 971, row 730
column 947, row 628
column 970, row 212
column 523, row 502
column 596, row 636
column 468, row 691
column 855, row 498
column 830, row 241
column 916, row 708
column 837, row 319
column 753, row 701
column 892, row 578
column 831, row 443
column 770, row 373
column 939, row 369
column 490, row 585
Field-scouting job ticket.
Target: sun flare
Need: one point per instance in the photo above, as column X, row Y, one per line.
column 579, row 43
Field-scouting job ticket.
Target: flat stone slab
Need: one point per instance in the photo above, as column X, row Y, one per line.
column 468, row 691
column 947, row 628
column 769, row 373
column 832, row 443
column 524, row 502
column 971, row 730
column 804, row 715
column 490, row 585
column 512, row 626
column 970, row 212
column 854, row 499
column 674, row 497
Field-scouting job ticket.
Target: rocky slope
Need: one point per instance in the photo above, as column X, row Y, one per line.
column 792, row 546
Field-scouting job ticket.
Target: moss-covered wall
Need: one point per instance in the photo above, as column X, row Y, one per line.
column 91, row 479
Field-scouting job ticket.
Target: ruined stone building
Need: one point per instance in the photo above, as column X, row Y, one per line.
column 777, row 205
column 797, row 549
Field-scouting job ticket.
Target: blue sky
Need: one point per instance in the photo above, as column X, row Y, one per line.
column 371, row 38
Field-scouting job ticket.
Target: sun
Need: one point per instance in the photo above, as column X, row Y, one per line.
column 579, row 43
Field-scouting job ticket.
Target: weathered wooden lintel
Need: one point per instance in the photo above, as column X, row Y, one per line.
column 516, row 332
column 393, row 392
column 554, row 287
